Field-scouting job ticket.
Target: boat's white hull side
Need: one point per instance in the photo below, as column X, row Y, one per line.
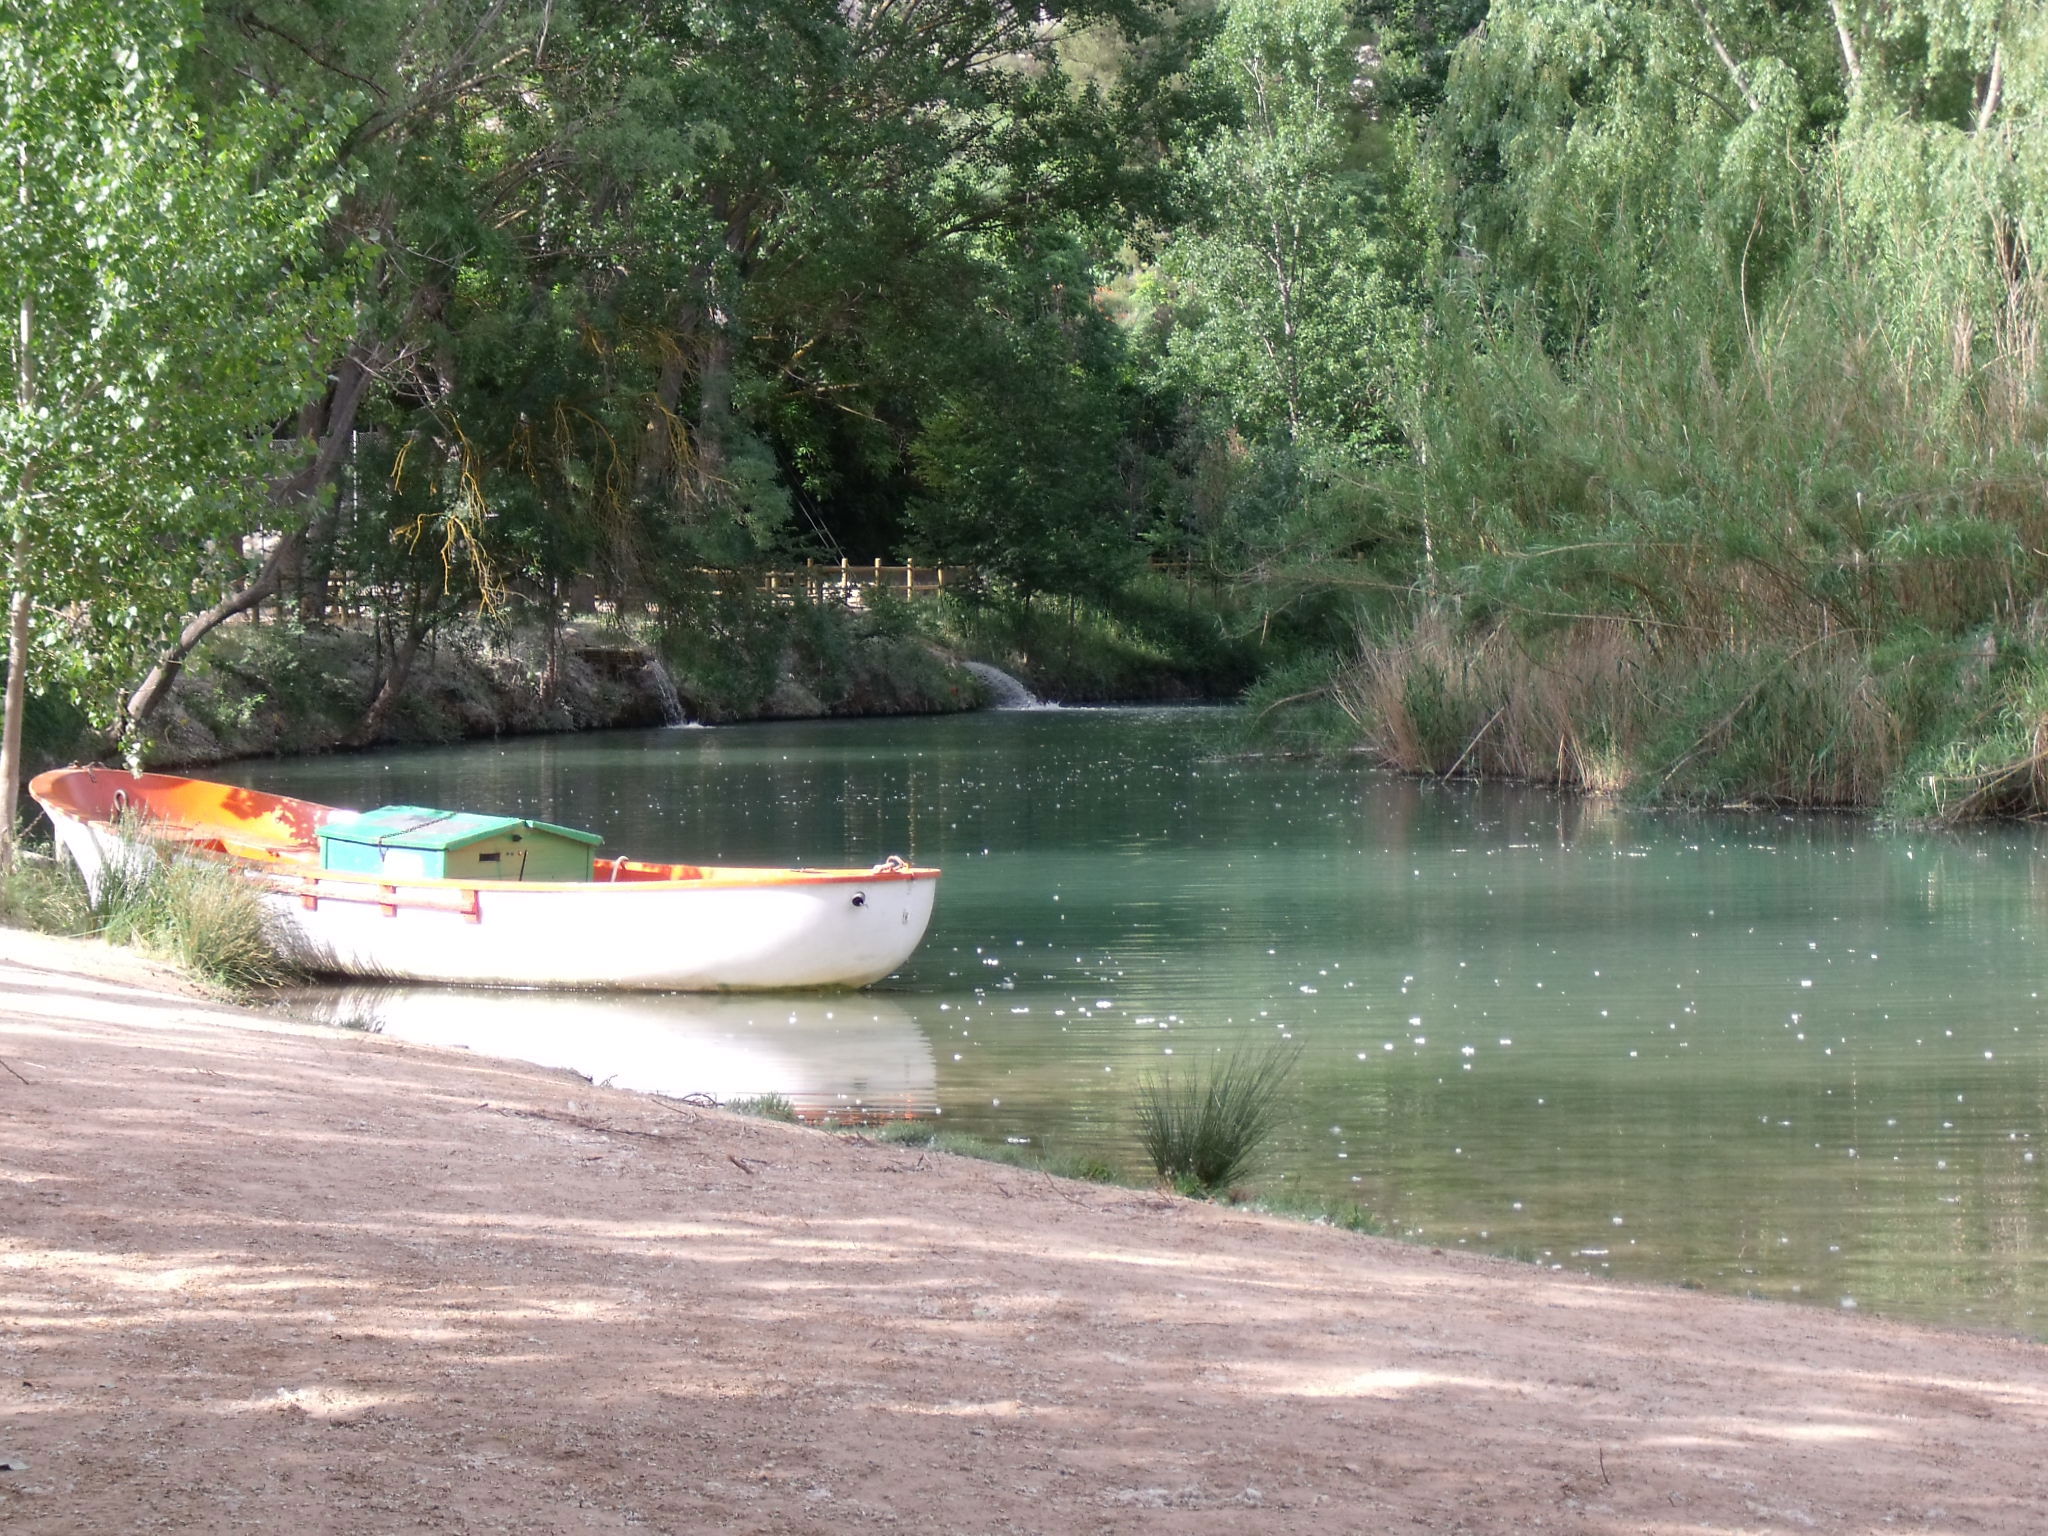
column 684, row 936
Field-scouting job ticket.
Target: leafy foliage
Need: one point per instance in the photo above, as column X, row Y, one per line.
column 1732, row 378
column 164, row 319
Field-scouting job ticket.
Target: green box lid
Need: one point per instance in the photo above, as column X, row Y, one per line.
column 417, row 826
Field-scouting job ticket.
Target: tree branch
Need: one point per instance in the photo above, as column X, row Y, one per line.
column 337, row 423
column 1850, row 61
column 1993, row 88
column 1727, row 59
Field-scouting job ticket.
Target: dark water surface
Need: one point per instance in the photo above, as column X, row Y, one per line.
column 1792, row 1056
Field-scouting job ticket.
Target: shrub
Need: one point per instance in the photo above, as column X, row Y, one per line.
column 45, row 895
column 202, row 917
column 763, row 1106
column 1204, row 1126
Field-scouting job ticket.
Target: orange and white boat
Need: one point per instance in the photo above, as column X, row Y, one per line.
column 409, row 893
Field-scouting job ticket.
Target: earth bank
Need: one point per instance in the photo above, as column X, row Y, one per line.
column 263, row 689
column 264, row 1276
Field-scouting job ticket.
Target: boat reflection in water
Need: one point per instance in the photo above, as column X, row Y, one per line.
column 850, row 1054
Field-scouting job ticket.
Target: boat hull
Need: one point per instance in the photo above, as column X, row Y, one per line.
column 717, row 930
column 671, row 938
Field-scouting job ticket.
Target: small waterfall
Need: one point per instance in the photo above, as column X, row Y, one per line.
column 665, row 690
column 1004, row 691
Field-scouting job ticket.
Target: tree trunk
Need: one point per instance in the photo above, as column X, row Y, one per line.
column 17, row 698
column 403, row 654
column 14, row 711
column 714, row 407
column 328, row 425
column 551, row 674
column 671, row 457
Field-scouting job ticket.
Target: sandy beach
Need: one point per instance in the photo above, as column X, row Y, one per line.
column 270, row 1278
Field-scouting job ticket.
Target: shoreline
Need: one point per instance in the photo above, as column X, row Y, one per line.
column 229, row 706
column 273, row 1275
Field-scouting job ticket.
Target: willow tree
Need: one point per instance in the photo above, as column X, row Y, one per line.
column 158, row 332
column 1289, row 317
column 1287, row 313
column 1728, row 426
column 1732, row 287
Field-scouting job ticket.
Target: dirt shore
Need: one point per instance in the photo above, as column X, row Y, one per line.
column 276, row 1279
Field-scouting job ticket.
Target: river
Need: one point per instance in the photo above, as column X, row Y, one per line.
column 1797, row 1057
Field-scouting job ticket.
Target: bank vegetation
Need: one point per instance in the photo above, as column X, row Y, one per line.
column 1629, row 396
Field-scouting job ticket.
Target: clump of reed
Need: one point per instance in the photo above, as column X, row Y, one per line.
column 1204, row 1124
column 1607, row 708
column 44, row 895
column 1433, row 700
column 199, row 916
column 763, row 1106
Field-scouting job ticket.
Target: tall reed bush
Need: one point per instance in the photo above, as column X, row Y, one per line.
column 1602, row 709
column 1727, row 472
column 199, row 916
column 1204, row 1125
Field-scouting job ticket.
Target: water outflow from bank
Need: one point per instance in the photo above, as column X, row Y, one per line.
column 672, row 711
column 1004, row 691
column 1797, row 1057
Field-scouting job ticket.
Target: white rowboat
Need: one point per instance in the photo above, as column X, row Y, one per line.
column 633, row 925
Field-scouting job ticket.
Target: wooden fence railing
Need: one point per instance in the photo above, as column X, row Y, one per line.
column 847, row 582
column 852, row 584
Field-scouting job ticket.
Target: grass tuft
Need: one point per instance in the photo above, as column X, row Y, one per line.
column 45, row 895
column 202, row 918
column 1345, row 1215
column 922, row 1133
column 764, row 1106
column 1204, row 1126
column 1084, row 1166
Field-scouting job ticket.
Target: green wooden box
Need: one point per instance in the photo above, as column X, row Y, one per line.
column 414, row 842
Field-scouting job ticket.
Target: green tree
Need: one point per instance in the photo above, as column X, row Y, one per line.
column 1287, row 323
column 1019, row 451
column 159, row 332
column 432, row 120
column 633, row 279
column 841, row 196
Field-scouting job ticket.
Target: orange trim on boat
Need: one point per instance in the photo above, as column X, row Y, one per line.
column 277, row 839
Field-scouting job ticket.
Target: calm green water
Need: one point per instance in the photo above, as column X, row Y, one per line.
column 1797, row 1057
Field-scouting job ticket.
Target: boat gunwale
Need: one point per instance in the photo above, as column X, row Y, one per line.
column 715, row 877
column 284, row 875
